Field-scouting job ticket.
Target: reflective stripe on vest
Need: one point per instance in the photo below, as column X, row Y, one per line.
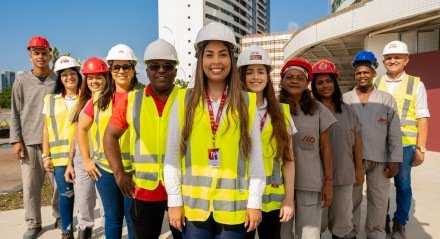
column 222, row 191
column 274, row 190
column 148, row 134
column 60, row 128
column 101, row 119
column 405, row 96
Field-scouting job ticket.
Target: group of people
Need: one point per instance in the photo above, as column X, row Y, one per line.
column 226, row 159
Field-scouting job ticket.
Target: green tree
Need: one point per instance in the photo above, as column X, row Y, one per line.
column 181, row 83
column 139, row 85
column 55, row 55
column 5, row 98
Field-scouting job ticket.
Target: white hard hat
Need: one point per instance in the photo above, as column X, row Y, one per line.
column 160, row 50
column 215, row 31
column 121, row 52
column 65, row 62
column 395, row 47
column 254, row 55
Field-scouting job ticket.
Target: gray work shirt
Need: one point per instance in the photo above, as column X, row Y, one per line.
column 26, row 106
column 342, row 139
column 309, row 175
column 380, row 126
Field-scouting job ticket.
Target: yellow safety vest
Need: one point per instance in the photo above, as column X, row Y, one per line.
column 59, row 127
column 101, row 119
column 405, row 96
column 223, row 190
column 148, row 137
column 273, row 196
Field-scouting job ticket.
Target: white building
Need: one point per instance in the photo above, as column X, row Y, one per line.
column 274, row 45
column 179, row 22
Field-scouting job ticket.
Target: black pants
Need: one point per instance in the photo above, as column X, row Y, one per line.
column 147, row 219
column 269, row 228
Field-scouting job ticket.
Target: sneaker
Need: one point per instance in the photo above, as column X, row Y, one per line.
column 387, row 228
column 398, row 231
column 85, row 234
column 67, row 235
column 32, row 233
column 57, row 224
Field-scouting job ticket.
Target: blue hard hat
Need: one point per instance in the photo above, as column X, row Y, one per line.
column 365, row 58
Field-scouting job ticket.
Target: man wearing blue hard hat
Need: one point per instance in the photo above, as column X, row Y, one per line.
column 381, row 144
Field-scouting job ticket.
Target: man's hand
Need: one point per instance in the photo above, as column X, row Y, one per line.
column 18, row 151
column 418, row 158
column 327, row 194
column 287, row 210
column 176, row 217
column 253, row 218
column 125, row 183
column 359, row 173
column 48, row 165
column 391, row 169
column 69, row 175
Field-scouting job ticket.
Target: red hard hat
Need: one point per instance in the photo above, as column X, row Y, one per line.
column 94, row 65
column 298, row 61
column 325, row 67
column 39, row 42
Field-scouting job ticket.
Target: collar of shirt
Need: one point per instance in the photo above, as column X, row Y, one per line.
column 61, row 95
column 399, row 79
column 160, row 104
column 262, row 108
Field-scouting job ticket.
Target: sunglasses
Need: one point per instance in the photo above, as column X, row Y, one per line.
column 166, row 67
column 124, row 67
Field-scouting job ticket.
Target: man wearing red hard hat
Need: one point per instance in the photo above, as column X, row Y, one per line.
column 26, row 133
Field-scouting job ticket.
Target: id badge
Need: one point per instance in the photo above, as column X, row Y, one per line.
column 214, row 157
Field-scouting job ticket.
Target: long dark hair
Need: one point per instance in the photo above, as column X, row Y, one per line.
column 337, row 94
column 234, row 101
column 86, row 94
column 59, row 87
column 279, row 132
column 134, row 80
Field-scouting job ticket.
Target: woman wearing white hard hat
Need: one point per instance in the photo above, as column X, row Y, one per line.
column 116, row 203
column 213, row 172
column 277, row 128
column 58, row 132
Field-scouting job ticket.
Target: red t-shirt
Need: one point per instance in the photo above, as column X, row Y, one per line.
column 119, row 120
column 117, row 98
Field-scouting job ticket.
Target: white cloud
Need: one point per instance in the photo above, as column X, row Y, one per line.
column 292, row 26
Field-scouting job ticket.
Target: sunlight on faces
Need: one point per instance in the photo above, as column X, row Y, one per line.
column 324, row 85
column 256, row 78
column 40, row 57
column 216, row 61
column 69, row 78
column 294, row 82
column 364, row 76
column 123, row 76
column 95, row 82
column 161, row 74
column 395, row 63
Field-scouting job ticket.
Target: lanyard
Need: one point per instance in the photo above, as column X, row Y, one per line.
column 215, row 124
column 263, row 121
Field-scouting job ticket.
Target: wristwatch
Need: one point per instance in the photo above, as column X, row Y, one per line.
column 421, row 148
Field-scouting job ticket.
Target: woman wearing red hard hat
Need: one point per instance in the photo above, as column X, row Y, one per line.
column 346, row 147
column 313, row 158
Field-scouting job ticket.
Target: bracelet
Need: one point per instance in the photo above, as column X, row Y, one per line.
column 46, row 158
column 45, row 155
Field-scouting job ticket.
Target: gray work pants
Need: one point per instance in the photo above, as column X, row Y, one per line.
column 33, row 174
column 85, row 193
column 338, row 217
column 378, row 186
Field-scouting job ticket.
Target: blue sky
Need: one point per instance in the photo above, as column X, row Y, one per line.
column 90, row 28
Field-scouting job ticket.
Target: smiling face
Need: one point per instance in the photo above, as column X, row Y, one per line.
column 96, row 82
column 294, row 82
column 364, row 76
column 216, row 61
column 256, row 78
column 122, row 73
column 161, row 74
column 324, row 86
column 69, row 78
column 40, row 57
column 395, row 63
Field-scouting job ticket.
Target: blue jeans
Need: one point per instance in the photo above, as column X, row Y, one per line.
column 66, row 198
column 211, row 229
column 116, row 206
column 402, row 182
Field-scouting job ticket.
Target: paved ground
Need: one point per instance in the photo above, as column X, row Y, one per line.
column 424, row 222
